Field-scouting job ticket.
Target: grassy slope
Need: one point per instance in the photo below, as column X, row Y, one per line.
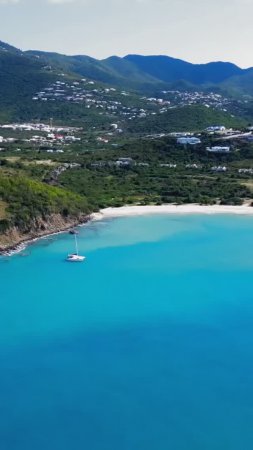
column 20, row 77
column 27, row 199
column 189, row 118
column 240, row 85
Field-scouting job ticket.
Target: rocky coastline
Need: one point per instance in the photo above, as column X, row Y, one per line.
column 15, row 240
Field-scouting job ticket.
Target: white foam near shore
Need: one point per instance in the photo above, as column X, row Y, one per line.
column 172, row 209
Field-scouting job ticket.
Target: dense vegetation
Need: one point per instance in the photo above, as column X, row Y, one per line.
column 187, row 118
column 27, row 200
column 145, row 185
column 116, row 124
column 20, row 78
column 149, row 180
column 159, row 171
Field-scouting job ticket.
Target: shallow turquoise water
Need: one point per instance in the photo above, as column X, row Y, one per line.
column 148, row 345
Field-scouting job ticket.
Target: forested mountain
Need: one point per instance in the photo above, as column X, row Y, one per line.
column 239, row 85
column 167, row 69
column 145, row 72
column 20, row 77
column 24, row 74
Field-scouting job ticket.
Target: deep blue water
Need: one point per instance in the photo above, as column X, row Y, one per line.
column 148, row 345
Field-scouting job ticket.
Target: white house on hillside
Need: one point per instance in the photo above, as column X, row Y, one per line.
column 218, row 149
column 188, row 140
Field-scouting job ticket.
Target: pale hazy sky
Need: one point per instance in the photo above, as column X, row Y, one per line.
column 195, row 30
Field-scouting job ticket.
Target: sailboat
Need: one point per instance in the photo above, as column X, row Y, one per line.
column 75, row 257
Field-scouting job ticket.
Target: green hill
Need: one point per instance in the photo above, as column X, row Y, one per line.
column 20, row 77
column 113, row 71
column 188, row 118
column 29, row 201
column 145, row 73
column 24, row 74
column 240, row 85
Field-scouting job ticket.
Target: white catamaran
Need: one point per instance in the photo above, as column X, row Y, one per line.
column 75, row 257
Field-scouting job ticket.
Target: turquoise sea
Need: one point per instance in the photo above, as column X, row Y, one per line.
column 148, row 345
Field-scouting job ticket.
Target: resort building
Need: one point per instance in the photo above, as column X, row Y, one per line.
column 218, row 149
column 188, row 140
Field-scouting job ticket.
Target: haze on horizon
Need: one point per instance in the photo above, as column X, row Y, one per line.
column 193, row 30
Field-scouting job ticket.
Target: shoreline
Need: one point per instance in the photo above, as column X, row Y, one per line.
column 127, row 211
column 25, row 242
column 131, row 211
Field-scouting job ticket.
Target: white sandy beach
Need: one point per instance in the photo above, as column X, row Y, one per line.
column 124, row 211
column 172, row 209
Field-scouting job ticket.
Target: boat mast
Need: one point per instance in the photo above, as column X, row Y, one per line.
column 76, row 245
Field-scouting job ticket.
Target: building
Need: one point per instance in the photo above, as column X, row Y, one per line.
column 216, row 129
column 218, row 149
column 170, row 166
column 188, row 141
column 123, row 162
column 192, row 166
column 219, row 169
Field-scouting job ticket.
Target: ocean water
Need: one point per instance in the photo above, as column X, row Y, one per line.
column 148, row 345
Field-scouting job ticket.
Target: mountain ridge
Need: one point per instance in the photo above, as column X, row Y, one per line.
column 134, row 69
column 24, row 73
column 160, row 73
